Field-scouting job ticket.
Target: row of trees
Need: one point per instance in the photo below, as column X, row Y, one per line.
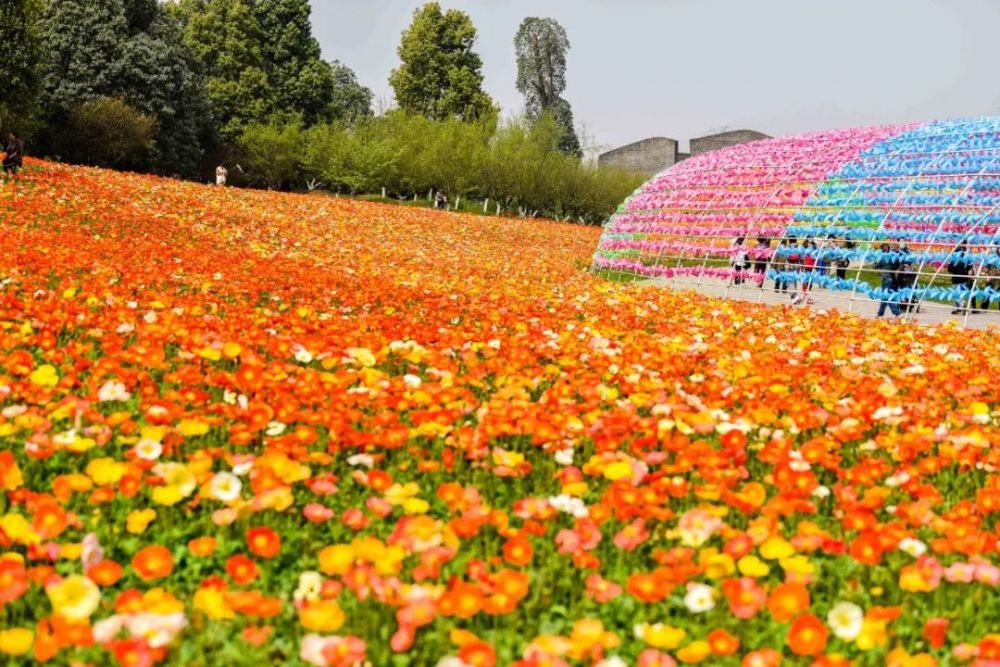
column 178, row 86
column 166, row 87
column 519, row 164
column 440, row 75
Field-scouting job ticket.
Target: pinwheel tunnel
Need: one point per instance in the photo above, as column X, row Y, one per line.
column 900, row 214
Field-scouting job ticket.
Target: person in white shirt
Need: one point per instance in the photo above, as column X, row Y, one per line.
column 221, row 173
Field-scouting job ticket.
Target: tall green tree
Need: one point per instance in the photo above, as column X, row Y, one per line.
column 226, row 38
column 19, row 76
column 351, row 101
column 83, row 58
column 161, row 79
column 440, row 74
column 131, row 51
column 541, row 45
column 303, row 83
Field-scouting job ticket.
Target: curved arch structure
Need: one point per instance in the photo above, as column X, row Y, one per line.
column 899, row 214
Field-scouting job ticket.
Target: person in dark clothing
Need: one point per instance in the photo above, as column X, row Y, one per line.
column 844, row 262
column 779, row 264
column 740, row 261
column 887, row 266
column 13, row 158
column 906, row 278
column 794, row 264
column 991, row 271
column 960, row 269
column 760, row 263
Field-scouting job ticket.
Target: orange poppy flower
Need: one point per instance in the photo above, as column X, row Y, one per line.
column 202, row 546
column 765, row 657
column 153, row 562
column 105, row 573
column 477, row 653
column 241, row 569
column 263, row 542
column 807, row 635
column 722, row 643
column 13, row 580
column 935, row 631
column 517, row 551
column 50, row 519
column 867, row 549
column 462, row 600
column 256, row 635
column 646, row 587
column 787, row 600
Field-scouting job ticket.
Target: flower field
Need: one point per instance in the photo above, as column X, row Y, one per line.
column 252, row 428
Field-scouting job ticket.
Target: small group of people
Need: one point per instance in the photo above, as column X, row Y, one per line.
column 968, row 273
column 13, row 154
column 797, row 263
column 803, row 258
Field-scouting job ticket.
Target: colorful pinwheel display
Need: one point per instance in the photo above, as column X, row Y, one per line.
column 925, row 197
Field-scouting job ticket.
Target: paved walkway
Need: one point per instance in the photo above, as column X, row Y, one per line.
column 930, row 312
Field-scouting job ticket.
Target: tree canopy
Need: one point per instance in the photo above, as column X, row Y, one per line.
column 440, row 74
column 19, row 76
column 541, row 45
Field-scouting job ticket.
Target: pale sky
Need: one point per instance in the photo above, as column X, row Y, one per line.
column 679, row 68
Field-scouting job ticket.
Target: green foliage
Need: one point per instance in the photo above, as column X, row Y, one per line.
column 140, row 14
column 151, row 85
column 161, row 79
column 440, row 74
column 272, row 151
column 19, row 79
column 358, row 159
column 303, row 83
column 227, row 40
column 107, row 132
column 517, row 164
column 351, row 101
column 132, row 51
column 569, row 142
column 84, row 54
column 541, row 46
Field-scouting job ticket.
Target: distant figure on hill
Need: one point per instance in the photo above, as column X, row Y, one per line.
column 440, row 200
column 13, row 154
column 221, row 174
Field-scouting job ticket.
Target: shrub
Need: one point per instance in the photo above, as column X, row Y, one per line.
column 517, row 163
column 107, row 132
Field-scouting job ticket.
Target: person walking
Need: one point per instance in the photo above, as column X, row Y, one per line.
column 760, row 261
column 740, row 261
column 991, row 271
column 906, row 279
column 221, row 175
column 13, row 158
column 844, row 261
column 810, row 264
column 794, row 262
column 887, row 266
column 779, row 261
column 960, row 270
